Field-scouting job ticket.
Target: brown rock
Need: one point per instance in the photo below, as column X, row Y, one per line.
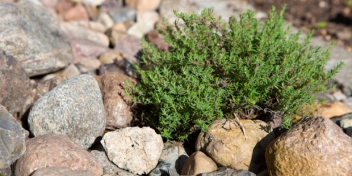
column 52, row 150
column 332, row 109
column 155, row 38
column 143, row 4
column 64, row 5
column 15, row 85
column 110, row 56
column 198, row 163
column 314, row 146
column 229, row 146
column 77, row 12
column 91, row 63
column 116, row 101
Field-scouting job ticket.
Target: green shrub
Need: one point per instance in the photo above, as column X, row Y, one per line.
column 215, row 69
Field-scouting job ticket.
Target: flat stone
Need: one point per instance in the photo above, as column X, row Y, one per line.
column 74, row 108
column 134, row 149
column 143, row 5
column 56, row 150
column 313, row 146
column 225, row 171
column 12, row 139
column 122, row 14
column 30, row 34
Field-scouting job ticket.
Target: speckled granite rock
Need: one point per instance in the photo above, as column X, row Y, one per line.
column 74, row 108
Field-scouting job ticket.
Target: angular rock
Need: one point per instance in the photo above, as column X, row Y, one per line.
column 108, row 167
column 12, row 139
column 163, row 169
column 134, row 149
column 313, row 146
column 143, row 4
column 116, row 101
column 74, row 108
column 35, row 39
column 225, row 171
column 55, row 150
column 239, row 150
column 58, row 171
column 174, row 154
column 198, row 163
column 15, row 85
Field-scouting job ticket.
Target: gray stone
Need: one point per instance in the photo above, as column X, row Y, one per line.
column 74, row 108
column 225, row 171
column 15, row 85
column 123, row 14
column 134, row 149
column 6, row 171
column 12, row 139
column 29, row 33
column 175, row 154
column 163, row 169
column 58, row 171
column 108, row 167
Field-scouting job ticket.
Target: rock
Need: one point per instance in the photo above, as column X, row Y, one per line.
column 346, row 124
column 58, row 171
column 92, row 2
column 141, row 28
column 92, row 25
column 116, row 101
column 109, row 5
column 105, row 19
column 151, row 16
column 174, row 154
column 15, row 85
column 109, row 168
column 77, row 12
column 143, row 4
column 115, row 36
column 123, row 14
column 74, row 31
column 110, row 56
column 129, row 45
column 55, row 150
column 330, row 110
column 155, row 38
column 338, row 95
column 6, row 171
column 309, row 145
column 64, row 5
column 12, row 139
column 224, row 171
column 198, row 163
column 91, row 63
column 68, row 72
column 348, row 101
column 163, row 169
column 86, row 48
column 74, row 108
column 35, row 39
column 121, row 27
column 134, row 149
column 228, row 146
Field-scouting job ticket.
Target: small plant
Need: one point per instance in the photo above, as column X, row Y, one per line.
column 215, row 70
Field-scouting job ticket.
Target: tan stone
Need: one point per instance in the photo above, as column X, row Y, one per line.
column 229, row 146
column 314, row 146
column 143, row 4
column 110, row 56
column 198, row 163
column 78, row 12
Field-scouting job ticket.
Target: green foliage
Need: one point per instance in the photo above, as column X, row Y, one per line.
column 215, row 69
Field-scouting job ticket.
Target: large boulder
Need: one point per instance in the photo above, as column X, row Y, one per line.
column 56, row 150
column 74, row 108
column 12, row 139
column 314, row 146
column 29, row 33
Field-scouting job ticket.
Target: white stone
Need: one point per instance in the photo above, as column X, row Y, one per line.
column 134, row 149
